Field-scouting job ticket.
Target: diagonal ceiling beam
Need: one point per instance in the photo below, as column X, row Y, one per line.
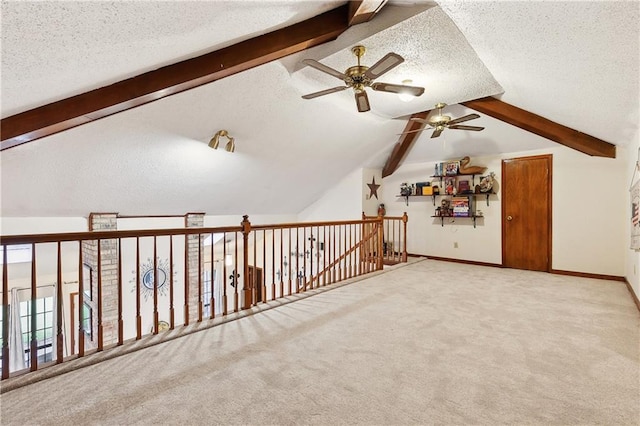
column 404, row 144
column 364, row 10
column 542, row 127
column 123, row 95
column 515, row 116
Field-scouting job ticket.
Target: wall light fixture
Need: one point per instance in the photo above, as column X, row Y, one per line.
column 215, row 141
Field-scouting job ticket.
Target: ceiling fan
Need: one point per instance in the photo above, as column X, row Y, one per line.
column 358, row 77
column 439, row 122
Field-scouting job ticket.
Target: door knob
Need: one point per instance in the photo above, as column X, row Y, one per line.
column 509, row 217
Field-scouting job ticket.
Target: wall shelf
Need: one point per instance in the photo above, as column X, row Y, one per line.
column 442, row 218
column 433, row 196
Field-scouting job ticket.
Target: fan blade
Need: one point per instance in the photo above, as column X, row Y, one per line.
column 398, row 88
column 389, row 61
column 474, row 128
column 322, row 67
column 325, row 92
column 410, row 131
column 463, row 119
column 420, row 120
column 437, row 132
column 362, row 100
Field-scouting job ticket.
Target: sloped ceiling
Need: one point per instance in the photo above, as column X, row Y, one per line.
column 576, row 63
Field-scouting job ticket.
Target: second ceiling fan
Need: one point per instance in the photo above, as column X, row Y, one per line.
column 358, row 77
column 438, row 122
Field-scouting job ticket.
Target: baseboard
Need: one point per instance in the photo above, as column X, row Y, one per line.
column 634, row 296
column 467, row 262
column 588, row 275
column 414, row 255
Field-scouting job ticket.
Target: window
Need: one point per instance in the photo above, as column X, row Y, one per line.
column 87, row 320
column 44, row 328
column 206, row 293
column 16, row 254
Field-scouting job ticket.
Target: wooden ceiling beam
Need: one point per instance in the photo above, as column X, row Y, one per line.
column 364, row 10
column 542, row 127
column 404, row 144
column 123, row 95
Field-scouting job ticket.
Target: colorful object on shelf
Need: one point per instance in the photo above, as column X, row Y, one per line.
column 486, row 182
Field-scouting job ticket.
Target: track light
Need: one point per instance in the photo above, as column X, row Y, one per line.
column 215, row 141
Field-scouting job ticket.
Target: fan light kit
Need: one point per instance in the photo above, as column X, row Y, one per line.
column 439, row 122
column 359, row 77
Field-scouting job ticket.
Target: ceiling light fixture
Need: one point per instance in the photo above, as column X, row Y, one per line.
column 404, row 96
column 215, row 141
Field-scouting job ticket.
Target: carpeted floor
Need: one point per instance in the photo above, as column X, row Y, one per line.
column 427, row 343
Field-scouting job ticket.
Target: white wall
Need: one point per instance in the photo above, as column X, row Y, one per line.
column 42, row 225
column 588, row 214
column 348, row 199
column 342, row 202
column 632, row 258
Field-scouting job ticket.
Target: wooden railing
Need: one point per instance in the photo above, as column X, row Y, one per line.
column 124, row 285
column 394, row 244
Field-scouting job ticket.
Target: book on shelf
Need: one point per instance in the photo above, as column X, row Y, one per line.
column 463, row 187
column 461, row 206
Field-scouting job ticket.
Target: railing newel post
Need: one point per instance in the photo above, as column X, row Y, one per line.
column 246, row 290
column 380, row 242
column 405, row 219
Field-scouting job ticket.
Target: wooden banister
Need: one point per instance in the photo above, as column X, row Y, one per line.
column 112, row 315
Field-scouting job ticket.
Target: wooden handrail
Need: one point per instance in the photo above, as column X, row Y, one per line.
column 343, row 256
column 119, row 312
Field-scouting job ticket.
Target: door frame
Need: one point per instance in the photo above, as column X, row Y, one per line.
column 549, row 189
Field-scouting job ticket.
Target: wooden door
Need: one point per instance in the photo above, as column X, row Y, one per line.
column 526, row 213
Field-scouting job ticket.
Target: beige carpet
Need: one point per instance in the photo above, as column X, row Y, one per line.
column 427, row 343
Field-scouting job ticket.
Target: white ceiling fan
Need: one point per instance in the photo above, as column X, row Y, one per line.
column 359, row 77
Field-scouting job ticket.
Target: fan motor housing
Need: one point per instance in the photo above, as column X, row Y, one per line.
column 439, row 120
column 356, row 74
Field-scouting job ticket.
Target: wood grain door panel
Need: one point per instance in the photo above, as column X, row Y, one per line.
column 526, row 213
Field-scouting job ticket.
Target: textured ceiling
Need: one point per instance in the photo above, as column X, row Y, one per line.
column 573, row 62
column 450, row 72
column 53, row 50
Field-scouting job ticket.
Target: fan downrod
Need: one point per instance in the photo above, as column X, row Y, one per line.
column 358, row 51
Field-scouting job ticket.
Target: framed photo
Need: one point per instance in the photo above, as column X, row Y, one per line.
column 87, row 281
column 453, row 167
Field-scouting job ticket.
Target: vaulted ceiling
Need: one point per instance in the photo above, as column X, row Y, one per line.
column 574, row 63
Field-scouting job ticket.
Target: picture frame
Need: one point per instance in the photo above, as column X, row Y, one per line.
column 452, row 168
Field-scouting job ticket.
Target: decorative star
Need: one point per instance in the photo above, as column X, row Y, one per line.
column 373, row 189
